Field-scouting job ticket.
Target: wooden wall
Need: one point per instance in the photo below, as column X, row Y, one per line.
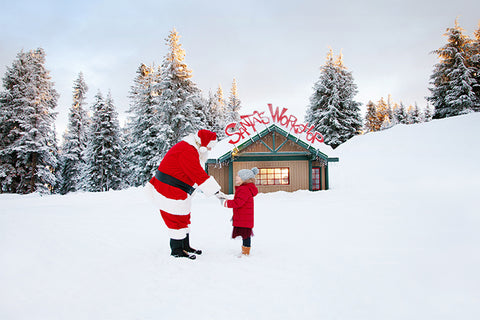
column 298, row 173
column 220, row 173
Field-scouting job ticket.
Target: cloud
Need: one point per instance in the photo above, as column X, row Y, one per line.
column 273, row 48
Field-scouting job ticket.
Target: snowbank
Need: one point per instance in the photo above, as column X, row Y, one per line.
column 395, row 238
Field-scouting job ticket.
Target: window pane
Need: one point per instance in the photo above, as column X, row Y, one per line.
column 273, row 176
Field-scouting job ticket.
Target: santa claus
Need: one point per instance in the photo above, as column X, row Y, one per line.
column 180, row 174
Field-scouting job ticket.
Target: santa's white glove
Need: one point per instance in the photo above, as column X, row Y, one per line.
column 220, row 195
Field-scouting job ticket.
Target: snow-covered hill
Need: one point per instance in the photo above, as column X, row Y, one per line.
column 397, row 237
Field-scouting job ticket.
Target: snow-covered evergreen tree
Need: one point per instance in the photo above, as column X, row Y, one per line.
column 215, row 113
column 453, row 78
column 143, row 142
column 388, row 119
column 428, row 114
column 371, row 120
column 220, row 100
column 387, row 123
column 103, row 154
column 220, row 106
column 200, row 112
column 332, row 109
column 57, row 172
column 232, row 108
column 414, row 114
column 475, row 65
column 9, row 179
column 390, row 107
column 400, row 114
column 28, row 144
column 74, row 139
column 180, row 104
column 393, row 118
column 383, row 114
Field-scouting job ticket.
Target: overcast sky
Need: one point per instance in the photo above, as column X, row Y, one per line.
column 274, row 49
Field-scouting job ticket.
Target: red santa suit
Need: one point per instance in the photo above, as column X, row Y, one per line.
column 181, row 169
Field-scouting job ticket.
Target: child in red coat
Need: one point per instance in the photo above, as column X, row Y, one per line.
column 243, row 207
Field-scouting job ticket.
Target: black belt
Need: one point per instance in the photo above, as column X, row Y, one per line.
column 174, row 182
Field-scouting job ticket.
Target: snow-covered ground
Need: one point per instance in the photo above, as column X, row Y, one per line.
column 397, row 237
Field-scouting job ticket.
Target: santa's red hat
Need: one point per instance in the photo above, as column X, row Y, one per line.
column 207, row 138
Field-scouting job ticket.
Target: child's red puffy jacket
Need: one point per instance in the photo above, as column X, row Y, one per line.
column 242, row 205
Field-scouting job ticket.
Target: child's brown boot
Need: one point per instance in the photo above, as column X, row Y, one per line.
column 246, row 250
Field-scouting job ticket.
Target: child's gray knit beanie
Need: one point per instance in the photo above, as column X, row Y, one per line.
column 246, row 174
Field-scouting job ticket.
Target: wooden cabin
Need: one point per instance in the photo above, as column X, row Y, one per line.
column 285, row 162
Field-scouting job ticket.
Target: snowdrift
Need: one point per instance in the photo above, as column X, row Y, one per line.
column 395, row 238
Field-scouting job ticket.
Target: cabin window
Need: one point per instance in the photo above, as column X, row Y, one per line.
column 273, row 176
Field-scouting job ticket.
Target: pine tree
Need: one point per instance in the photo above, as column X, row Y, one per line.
column 390, row 107
column 383, row 114
column 428, row 114
column 143, row 141
column 400, row 114
column 371, row 120
column 387, row 123
column 453, row 79
column 28, row 144
column 215, row 113
column 414, row 115
column 104, row 148
column 332, row 109
column 74, row 139
column 220, row 109
column 233, row 105
column 352, row 108
column 9, row 179
column 475, row 65
column 57, row 172
column 220, row 100
column 180, row 104
column 388, row 119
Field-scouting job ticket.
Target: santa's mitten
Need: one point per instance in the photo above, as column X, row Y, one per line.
column 220, row 195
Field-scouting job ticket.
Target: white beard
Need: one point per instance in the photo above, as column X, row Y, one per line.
column 203, row 156
column 202, row 151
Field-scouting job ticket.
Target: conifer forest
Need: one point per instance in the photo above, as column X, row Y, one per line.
column 96, row 153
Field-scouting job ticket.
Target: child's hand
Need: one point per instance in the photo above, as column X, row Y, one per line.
column 223, row 202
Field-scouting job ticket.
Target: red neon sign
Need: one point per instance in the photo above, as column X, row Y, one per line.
column 240, row 130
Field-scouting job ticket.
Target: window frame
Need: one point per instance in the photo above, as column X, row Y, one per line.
column 271, row 177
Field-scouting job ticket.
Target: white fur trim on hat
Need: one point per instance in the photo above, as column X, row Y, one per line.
column 212, row 144
column 195, row 141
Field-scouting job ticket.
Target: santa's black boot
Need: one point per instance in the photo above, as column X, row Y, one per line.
column 186, row 246
column 178, row 251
